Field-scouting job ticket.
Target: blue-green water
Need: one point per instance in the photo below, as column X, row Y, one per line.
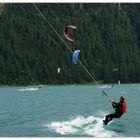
column 67, row 111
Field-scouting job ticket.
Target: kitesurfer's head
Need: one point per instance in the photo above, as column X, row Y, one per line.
column 122, row 98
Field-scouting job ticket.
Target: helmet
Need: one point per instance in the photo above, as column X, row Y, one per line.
column 122, row 97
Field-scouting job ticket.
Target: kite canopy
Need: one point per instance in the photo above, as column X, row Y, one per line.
column 67, row 33
column 58, row 70
column 115, row 70
column 75, row 56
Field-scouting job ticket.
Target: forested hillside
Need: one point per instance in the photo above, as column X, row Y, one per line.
column 108, row 36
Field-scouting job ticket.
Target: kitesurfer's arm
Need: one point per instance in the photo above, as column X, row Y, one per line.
column 114, row 104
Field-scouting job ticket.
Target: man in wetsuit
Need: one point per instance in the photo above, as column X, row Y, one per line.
column 120, row 108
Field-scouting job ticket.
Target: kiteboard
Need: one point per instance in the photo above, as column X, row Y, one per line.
column 107, row 123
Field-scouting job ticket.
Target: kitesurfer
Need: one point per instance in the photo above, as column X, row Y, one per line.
column 39, row 87
column 120, row 108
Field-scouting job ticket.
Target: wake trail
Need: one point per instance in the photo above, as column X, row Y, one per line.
column 28, row 89
column 80, row 125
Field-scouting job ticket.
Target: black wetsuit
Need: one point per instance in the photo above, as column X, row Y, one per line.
column 118, row 112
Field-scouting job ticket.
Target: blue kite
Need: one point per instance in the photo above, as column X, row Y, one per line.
column 75, row 56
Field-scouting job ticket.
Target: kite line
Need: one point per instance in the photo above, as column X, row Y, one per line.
column 92, row 77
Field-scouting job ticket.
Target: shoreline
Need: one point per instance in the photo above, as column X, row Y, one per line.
column 73, row 84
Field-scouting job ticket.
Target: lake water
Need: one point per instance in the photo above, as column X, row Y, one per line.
column 67, row 111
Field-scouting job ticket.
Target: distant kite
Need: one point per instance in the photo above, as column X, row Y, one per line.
column 67, row 33
column 75, row 56
column 115, row 70
column 58, row 70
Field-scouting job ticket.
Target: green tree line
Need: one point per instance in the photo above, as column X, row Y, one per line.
column 108, row 36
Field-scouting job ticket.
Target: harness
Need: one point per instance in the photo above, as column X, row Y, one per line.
column 124, row 107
